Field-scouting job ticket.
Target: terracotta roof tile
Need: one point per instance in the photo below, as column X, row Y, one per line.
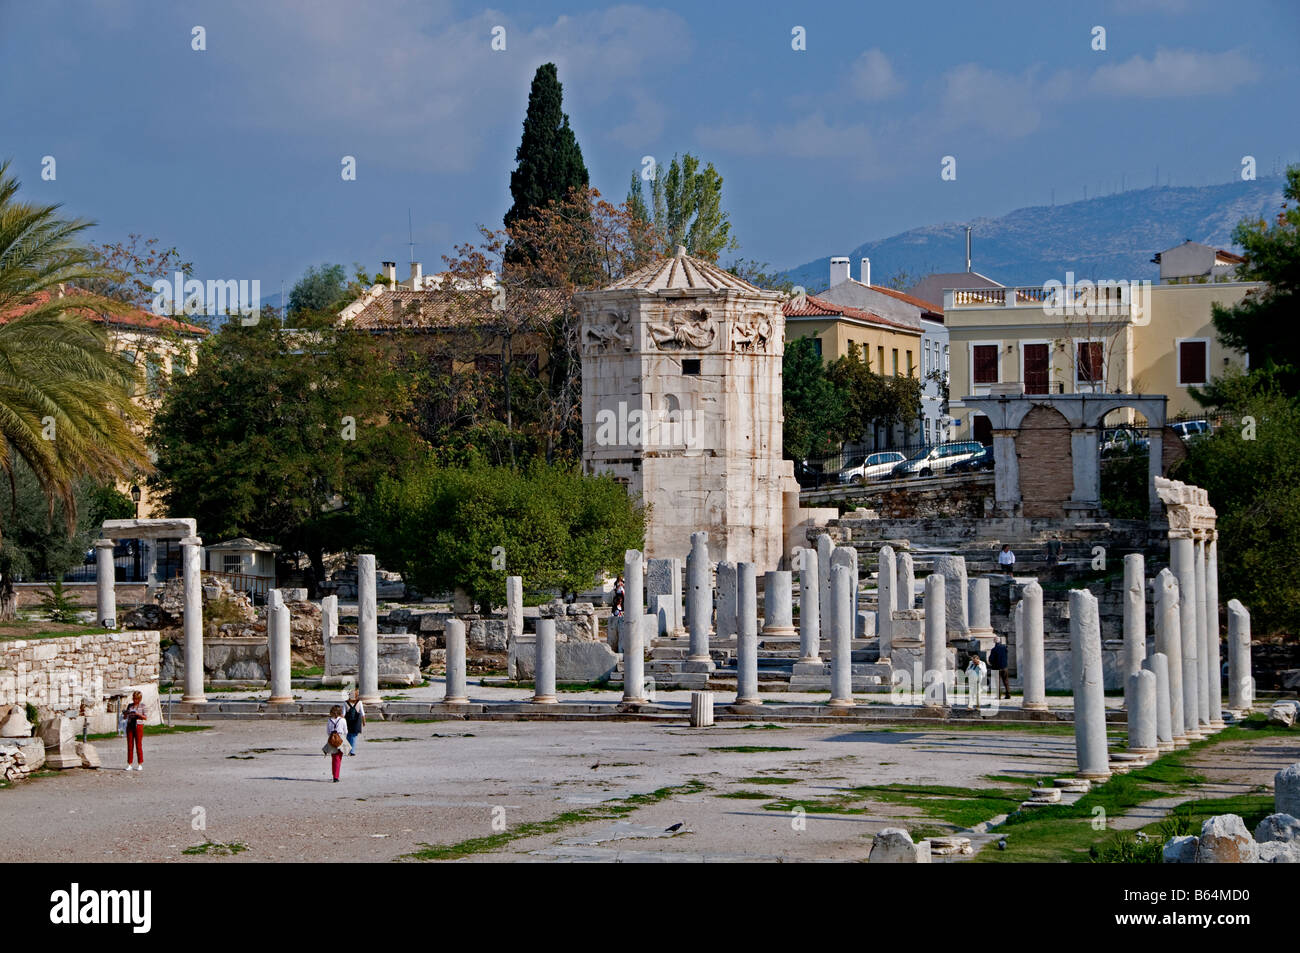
column 136, row 318
column 815, row 307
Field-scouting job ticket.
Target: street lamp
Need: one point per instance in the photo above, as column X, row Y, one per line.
column 135, row 498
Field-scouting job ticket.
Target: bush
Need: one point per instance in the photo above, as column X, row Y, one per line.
column 58, row 605
column 469, row 527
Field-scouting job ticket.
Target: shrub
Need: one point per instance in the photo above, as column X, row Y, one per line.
column 58, row 605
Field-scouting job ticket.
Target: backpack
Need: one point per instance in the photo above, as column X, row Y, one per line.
column 353, row 718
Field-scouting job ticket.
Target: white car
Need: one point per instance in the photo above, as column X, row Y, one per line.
column 874, row 466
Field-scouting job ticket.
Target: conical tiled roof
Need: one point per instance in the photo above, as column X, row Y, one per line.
column 681, row 272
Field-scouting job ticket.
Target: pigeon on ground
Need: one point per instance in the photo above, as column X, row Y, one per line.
column 1002, row 844
column 674, row 829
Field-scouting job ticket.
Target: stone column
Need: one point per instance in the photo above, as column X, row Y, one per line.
column 1182, row 560
column 1241, row 687
column 699, row 604
column 778, row 604
column 634, row 635
column 544, row 663
column 277, row 630
column 191, row 560
column 633, row 585
column 1142, row 713
column 747, row 635
column 978, row 614
column 454, row 637
column 367, row 631
column 825, row 546
column 933, row 679
column 1215, row 663
column 841, row 606
column 810, row 624
column 105, row 578
column 1089, row 692
column 726, row 600
column 953, row 570
column 1158, row 665
column 514, row 609
column 1135, row 617
column 1006, row 473
column 885, row 601
column 329, row 620
column 679, row 625
column 1033, row 681
column 905, row 575
column 1169, row 643
column 1205, row 709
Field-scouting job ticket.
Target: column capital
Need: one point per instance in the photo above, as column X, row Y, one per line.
column 191, row 541
column 105, row 543
column 1180, row 533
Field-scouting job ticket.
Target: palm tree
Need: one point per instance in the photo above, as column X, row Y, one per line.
column 65, row 396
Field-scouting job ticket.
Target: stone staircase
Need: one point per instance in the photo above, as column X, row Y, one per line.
column 779, row 668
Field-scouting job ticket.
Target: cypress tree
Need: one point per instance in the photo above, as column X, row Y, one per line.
column 550, row 161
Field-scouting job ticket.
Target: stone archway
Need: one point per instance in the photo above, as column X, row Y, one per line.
column 1045, row 462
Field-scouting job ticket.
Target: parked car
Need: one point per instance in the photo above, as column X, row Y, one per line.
column 937, row 458
column 1123, row 439
column 1192, row 429
column 874, row 466
column 809, row 474
column 981, row 461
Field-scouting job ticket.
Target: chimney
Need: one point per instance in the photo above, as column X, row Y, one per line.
column 416, row 281
column 390, row 272
column 968, row 249
column 866, row 272
column 839, row 271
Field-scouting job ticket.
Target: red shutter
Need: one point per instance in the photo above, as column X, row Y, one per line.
column 986, row 363
column 1191, row 362
column 1091, row 367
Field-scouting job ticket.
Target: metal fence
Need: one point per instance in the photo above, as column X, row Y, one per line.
column 129, row 564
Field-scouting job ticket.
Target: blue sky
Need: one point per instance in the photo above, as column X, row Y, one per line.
column 233, row 154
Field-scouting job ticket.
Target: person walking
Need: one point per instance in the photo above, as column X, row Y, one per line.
column 1006, row 558
column 336, row 745
column 999, row 679
column 355, row 716
column 135, row 716
column 975, row 672
column 619, row 593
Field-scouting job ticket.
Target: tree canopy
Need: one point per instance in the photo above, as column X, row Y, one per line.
column 685, row 208
column 549, row 160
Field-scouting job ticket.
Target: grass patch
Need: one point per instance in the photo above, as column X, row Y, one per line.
column 214, row 849
column 375, row 741
column 960, row 807
column 152, row 730
column 1036, row 728
column 769, row 780
column 746, row 795
column 609, row 810
column 752, row 749
column 1064, row 833
column 316, row 671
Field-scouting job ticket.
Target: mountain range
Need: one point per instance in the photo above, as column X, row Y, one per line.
column 1108, row 237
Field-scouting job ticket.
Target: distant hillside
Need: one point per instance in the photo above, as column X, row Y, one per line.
column 1110, row 237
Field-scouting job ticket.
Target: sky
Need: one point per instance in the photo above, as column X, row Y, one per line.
column 233, row 154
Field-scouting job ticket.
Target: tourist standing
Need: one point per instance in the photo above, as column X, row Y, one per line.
column 1006, row 558
column 999, row 680
column 619, row 593
column 355, row 716
column 975, row 672
column 135, row 717
column 336, row 745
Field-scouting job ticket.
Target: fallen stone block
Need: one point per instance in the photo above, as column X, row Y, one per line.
column 89, row 756
column 1046, row 795
column 893, row 845
column 944, row 846
column 1282, row 713
column 1286, row 791
column 1225, row 840
column 1180, row 850
column 1279, row 852
column 14, row 723
column 1278, row 827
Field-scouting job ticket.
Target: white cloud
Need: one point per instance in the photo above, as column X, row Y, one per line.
column 872, row 78
column 1172, row 73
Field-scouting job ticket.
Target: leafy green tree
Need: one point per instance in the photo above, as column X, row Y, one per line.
column 549, row 159
column 321, row 289
column 814, row 406
column 873, row 399
column 1252, row 477
column 687, row 208
column 1272, row 253
column 277, row 433
column 445, row 527
column 65, row 396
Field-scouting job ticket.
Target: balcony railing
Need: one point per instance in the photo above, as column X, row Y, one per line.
column 1103, row 298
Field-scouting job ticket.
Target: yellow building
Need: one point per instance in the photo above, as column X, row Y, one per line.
column 890, row 347
column 1084, row 337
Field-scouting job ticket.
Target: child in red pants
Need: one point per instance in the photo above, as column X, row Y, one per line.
column 135, row 717
column 336, row 726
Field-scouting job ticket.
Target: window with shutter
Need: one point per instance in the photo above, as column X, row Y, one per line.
column 1192, row 362
column 985, row 358
column 1091, row 363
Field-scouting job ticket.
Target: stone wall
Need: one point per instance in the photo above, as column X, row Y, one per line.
column 59, row 674
column 1046, row 464
column 399, row 660
column 81, row 593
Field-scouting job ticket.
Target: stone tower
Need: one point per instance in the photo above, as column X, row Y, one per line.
column 681, row 401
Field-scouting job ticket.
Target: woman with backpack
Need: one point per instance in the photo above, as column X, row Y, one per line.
column 335, row 744
column 133, row 720
column 355, row 716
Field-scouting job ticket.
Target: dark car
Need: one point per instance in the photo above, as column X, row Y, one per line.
column 981, row 461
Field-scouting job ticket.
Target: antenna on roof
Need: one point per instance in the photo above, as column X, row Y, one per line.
column 410, row 236
column 968, row 228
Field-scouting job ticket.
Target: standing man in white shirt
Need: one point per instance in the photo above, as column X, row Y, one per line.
column 1006, row 558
